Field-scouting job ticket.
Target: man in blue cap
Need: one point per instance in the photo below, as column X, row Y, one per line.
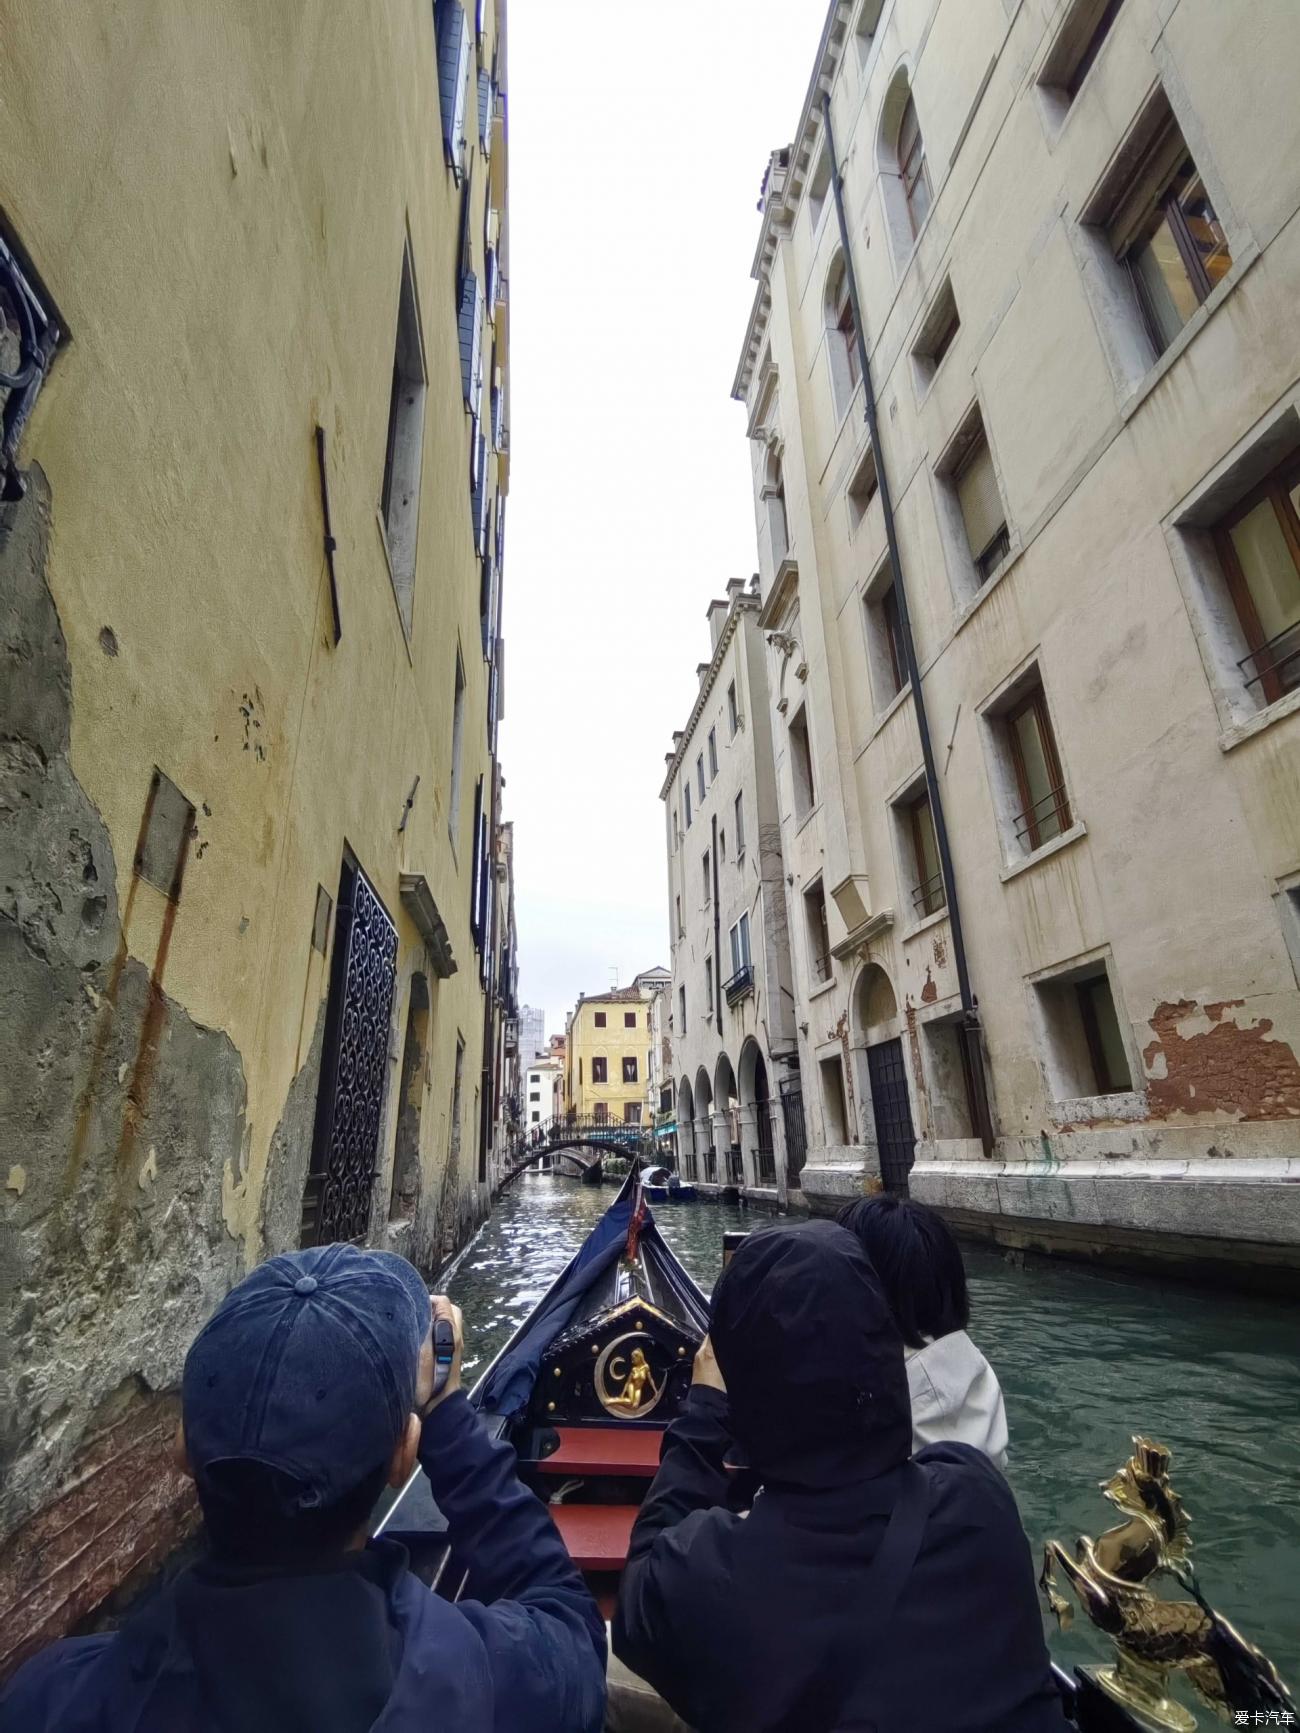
column 309, row 1390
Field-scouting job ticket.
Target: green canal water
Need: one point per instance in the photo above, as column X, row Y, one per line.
column 1086, row 1359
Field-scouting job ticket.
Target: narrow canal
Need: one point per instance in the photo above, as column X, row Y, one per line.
column 1086, row 1359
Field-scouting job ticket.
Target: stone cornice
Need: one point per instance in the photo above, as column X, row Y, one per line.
column 742, row 604
column 779, row 210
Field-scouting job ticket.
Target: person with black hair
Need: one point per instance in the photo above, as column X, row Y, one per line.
column 865, row 1587
column 955, row 1392
column 310, row 1389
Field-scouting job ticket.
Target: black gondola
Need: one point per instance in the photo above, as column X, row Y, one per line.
column 584, row 1390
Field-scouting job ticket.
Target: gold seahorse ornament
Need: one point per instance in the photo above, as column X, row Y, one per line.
column 1153, row 1637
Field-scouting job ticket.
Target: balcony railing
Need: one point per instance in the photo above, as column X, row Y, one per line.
column 822, row 965
column 741, row 982
column 1045, row 819
column 1275, row 664
column 929, row 896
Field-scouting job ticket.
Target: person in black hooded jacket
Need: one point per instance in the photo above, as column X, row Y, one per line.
column 865, row 1589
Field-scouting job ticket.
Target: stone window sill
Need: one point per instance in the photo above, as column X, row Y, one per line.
column 821, row 987
column 1253, row 725
column 1048, row 849
column 1197, row 323
column 924, row 925
column 807, row 818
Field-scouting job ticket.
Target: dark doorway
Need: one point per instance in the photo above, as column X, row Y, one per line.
column 763, row 1115
column 895, row 1139
column 415, row 1081
column 354, row 1069
column 796, row 1132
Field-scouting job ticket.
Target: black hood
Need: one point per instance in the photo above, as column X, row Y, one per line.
column 816, row 1383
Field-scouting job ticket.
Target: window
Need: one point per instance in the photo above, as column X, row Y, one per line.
column 699, row 775
column 599, row 1019
column 713, row 752
column 708, row 985
column 681, row 930
column 801, row 765
column 1259, row 548
column 629, row 1068
column 534, row 1095
column 912, row 168
column 536, row 1117
column 400, row 499
column 600, row 1113
column 1086, row 1054
column 981, row 509
column 739, row 936
column 938, row 334
column 686, row 791
column 1078, row 43
column 629, row 1019
column 1162, row 227
column 1040, row 786
column 886, row 654
column 457, row 738
column 733, row 715
column 928, row 895
column 708, row 877
column 681, row 1010
column 834, row 1108
column 818, row 930
column 841, row 338
column 599, row 1068
column 772, row 493
column 862, row 489
column 740, row 827
column 632, row 1112
column 864, row 31
column 722, row 845
column 453, row 75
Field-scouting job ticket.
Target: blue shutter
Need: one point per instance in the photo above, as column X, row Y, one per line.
column 453, row 71
column 481, row 500
column 477, row 487
column 485, row 112
column 476, row 870
column 485, row 604
column 470, row 328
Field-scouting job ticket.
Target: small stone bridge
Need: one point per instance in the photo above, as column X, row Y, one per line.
column 583, row 1142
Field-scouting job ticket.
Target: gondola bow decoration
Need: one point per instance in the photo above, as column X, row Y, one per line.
column 1155, row 1638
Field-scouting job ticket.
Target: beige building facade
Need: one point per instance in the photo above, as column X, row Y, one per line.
column 1049, row 616
column 607, row 1054
column 254, row 977
column 735, row 1057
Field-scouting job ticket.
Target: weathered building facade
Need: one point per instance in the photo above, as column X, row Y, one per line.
column 1039, row 636
column 607, row 1054
column 250, row 563
column 735, row 1056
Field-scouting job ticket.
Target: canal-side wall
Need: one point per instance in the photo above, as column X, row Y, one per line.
column 222, row 689
column 999, row 323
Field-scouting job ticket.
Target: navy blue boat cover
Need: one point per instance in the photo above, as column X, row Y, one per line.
column 510, row 1382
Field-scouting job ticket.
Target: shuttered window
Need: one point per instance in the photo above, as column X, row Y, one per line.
column 453, row 79
column 478, row 494
column 476, row 869
column 485, row 112
column 981, row 509
column 470, row 330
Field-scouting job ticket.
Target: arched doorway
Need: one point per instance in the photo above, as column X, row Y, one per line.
column 686, row 1127
column 756, row 1100
column 883, row 1075
column 726, row 1101
column 704, row 1122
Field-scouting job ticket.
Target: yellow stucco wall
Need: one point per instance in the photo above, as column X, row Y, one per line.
column 614, row 1042
column 218, row 203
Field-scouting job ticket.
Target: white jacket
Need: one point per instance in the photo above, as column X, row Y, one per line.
column 956, row 1397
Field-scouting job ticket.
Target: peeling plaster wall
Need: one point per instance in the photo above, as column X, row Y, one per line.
column 118, row 1115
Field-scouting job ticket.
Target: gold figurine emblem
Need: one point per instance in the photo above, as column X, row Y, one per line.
column 624, row 1378
column 1153, row 1637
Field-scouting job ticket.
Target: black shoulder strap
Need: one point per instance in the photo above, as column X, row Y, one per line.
column 853, row 1659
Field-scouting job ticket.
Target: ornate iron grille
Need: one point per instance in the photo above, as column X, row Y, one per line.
column 796, row 1133
column 354, row 1072
column 892, row 1108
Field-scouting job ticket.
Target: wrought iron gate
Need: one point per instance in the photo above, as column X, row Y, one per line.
column 796, row 1134
column 895, row 1139
column 354, row 1068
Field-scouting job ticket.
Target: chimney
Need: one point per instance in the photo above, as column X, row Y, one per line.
column 701, row 669
column 735, row 587
column 717, row 616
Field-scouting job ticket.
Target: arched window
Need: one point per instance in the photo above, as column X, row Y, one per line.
column 911, row 167
column 841, row 338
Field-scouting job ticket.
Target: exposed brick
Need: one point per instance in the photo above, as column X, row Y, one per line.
column 1229, row 1068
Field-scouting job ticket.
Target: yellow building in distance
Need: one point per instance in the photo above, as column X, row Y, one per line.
column 608, row 1055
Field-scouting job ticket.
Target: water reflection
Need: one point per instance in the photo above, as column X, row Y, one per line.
column 1085, row 1359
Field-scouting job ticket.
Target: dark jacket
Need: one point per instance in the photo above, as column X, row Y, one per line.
column 761, row 1622
column 358, row 1646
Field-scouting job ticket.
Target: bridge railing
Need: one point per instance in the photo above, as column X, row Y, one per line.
column 565, row 1132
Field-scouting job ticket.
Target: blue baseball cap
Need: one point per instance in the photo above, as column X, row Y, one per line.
column 309, row 1367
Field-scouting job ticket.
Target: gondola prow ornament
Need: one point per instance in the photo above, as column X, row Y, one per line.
column 1111, row 1578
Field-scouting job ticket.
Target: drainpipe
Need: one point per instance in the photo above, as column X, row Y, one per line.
column 968, row 1030
column 717, row 931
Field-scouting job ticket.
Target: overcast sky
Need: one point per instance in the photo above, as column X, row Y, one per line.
column 638, row 139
